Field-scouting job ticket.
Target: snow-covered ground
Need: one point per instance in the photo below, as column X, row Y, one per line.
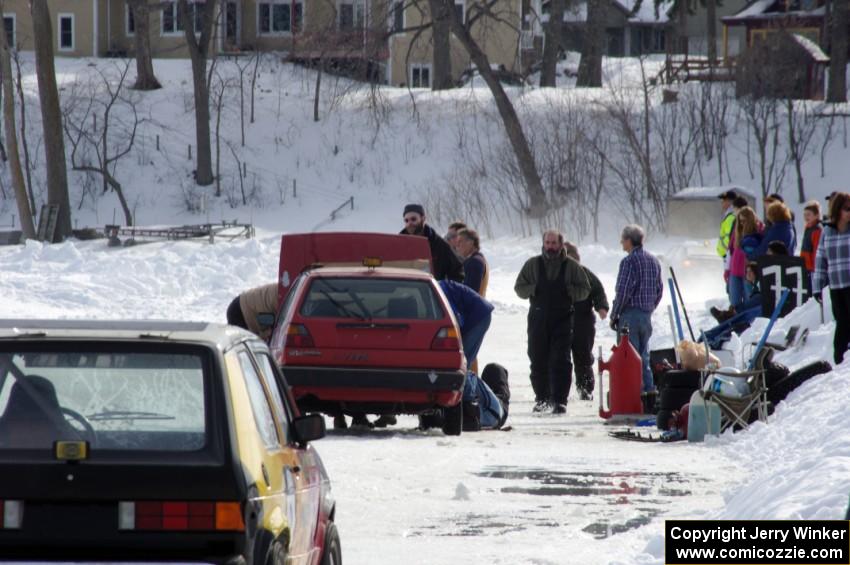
column 552, row 490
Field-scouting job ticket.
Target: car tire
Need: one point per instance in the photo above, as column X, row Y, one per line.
column 333, row 550
column 453, row 420
column 673, row 398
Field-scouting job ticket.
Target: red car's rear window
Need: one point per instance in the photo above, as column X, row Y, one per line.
column 370, row 298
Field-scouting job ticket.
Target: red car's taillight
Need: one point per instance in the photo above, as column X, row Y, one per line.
column 11, row 514
column 180, row 516
column 298, row 336
column 446, row 340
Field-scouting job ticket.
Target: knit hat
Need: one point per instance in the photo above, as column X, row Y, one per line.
column 414, row 208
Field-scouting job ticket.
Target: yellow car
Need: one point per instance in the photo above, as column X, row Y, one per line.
column 155, row 441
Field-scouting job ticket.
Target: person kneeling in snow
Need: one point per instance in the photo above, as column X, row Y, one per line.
column 485, row 401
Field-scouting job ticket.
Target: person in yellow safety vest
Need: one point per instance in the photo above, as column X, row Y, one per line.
column 728, row 221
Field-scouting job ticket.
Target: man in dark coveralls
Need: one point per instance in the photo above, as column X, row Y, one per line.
column 584, row 328
column 552, row 282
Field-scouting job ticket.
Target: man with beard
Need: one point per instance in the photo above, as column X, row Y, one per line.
column 445, row 264
column 553, row 282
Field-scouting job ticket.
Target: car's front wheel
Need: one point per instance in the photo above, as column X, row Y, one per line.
column 453, row 420
column 333, row 550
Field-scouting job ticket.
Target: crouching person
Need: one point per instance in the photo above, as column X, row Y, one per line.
column 246, row 309
column 491, row 395
column 473, row 314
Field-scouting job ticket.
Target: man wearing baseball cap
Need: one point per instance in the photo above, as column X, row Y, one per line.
column 444, row 263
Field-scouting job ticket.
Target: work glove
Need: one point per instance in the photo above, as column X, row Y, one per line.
column 614, row 323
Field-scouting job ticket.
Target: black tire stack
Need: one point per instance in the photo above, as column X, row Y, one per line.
column 674, row 391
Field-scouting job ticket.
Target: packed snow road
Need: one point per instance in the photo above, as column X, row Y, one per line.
column 552, row 489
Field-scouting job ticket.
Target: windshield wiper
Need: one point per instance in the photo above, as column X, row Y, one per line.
column 127, row 415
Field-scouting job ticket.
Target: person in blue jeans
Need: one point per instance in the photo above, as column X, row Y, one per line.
column 473, row 314
column 638, row 293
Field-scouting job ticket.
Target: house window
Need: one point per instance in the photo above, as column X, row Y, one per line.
column 279, row 17
column 66, row 32
column 352, row 15
column 459, row 10
column 420, row 76
column 398, row 16
column 131, row 20
column 9, row 26
column 171, row 18
column 170, row 21
column 659, row 40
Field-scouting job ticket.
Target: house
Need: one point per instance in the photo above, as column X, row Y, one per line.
column 629, row 32
column 783, row 65
column 696, row 28
column 762, row 18
column 695, row 211
column 790, row 35
column 368, row 33
column 410, row 52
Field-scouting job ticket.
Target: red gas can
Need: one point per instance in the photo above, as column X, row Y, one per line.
column 625, row 369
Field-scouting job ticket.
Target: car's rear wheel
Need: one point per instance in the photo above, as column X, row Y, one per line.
column 453, row 420
column 333, row 549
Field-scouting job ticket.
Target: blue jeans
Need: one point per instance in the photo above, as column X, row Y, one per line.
column 720, row 333
column 640, row 330
column 736, row 291
column 490, row 409
column 472, row 338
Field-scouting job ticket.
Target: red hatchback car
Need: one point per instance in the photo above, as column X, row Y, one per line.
column 367, row 338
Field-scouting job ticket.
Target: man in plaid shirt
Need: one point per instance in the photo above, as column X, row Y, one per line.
column 638, row 292
column 832, row 269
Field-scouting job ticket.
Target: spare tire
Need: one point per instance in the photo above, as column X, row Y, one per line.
column 679, row 378
column 673, row 398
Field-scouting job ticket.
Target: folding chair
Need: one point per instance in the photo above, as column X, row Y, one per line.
column 737, row 410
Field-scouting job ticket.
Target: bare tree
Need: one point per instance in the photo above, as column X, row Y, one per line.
column 199, row 51
column 242, row 69
column 145, row 77
column 594, row 173
column 552, row 42
column 24, row 138
column 221, row 87
column 590, row 64
column 801, row 126
column 837, row 91
column 763, row 126
column 440, row 13
column 24, row 209
column 258, row 57
column 711, row 30
column 524, row 158
column 828, row 138
column 110, row 138
column 634, row 122
column 51, row 118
